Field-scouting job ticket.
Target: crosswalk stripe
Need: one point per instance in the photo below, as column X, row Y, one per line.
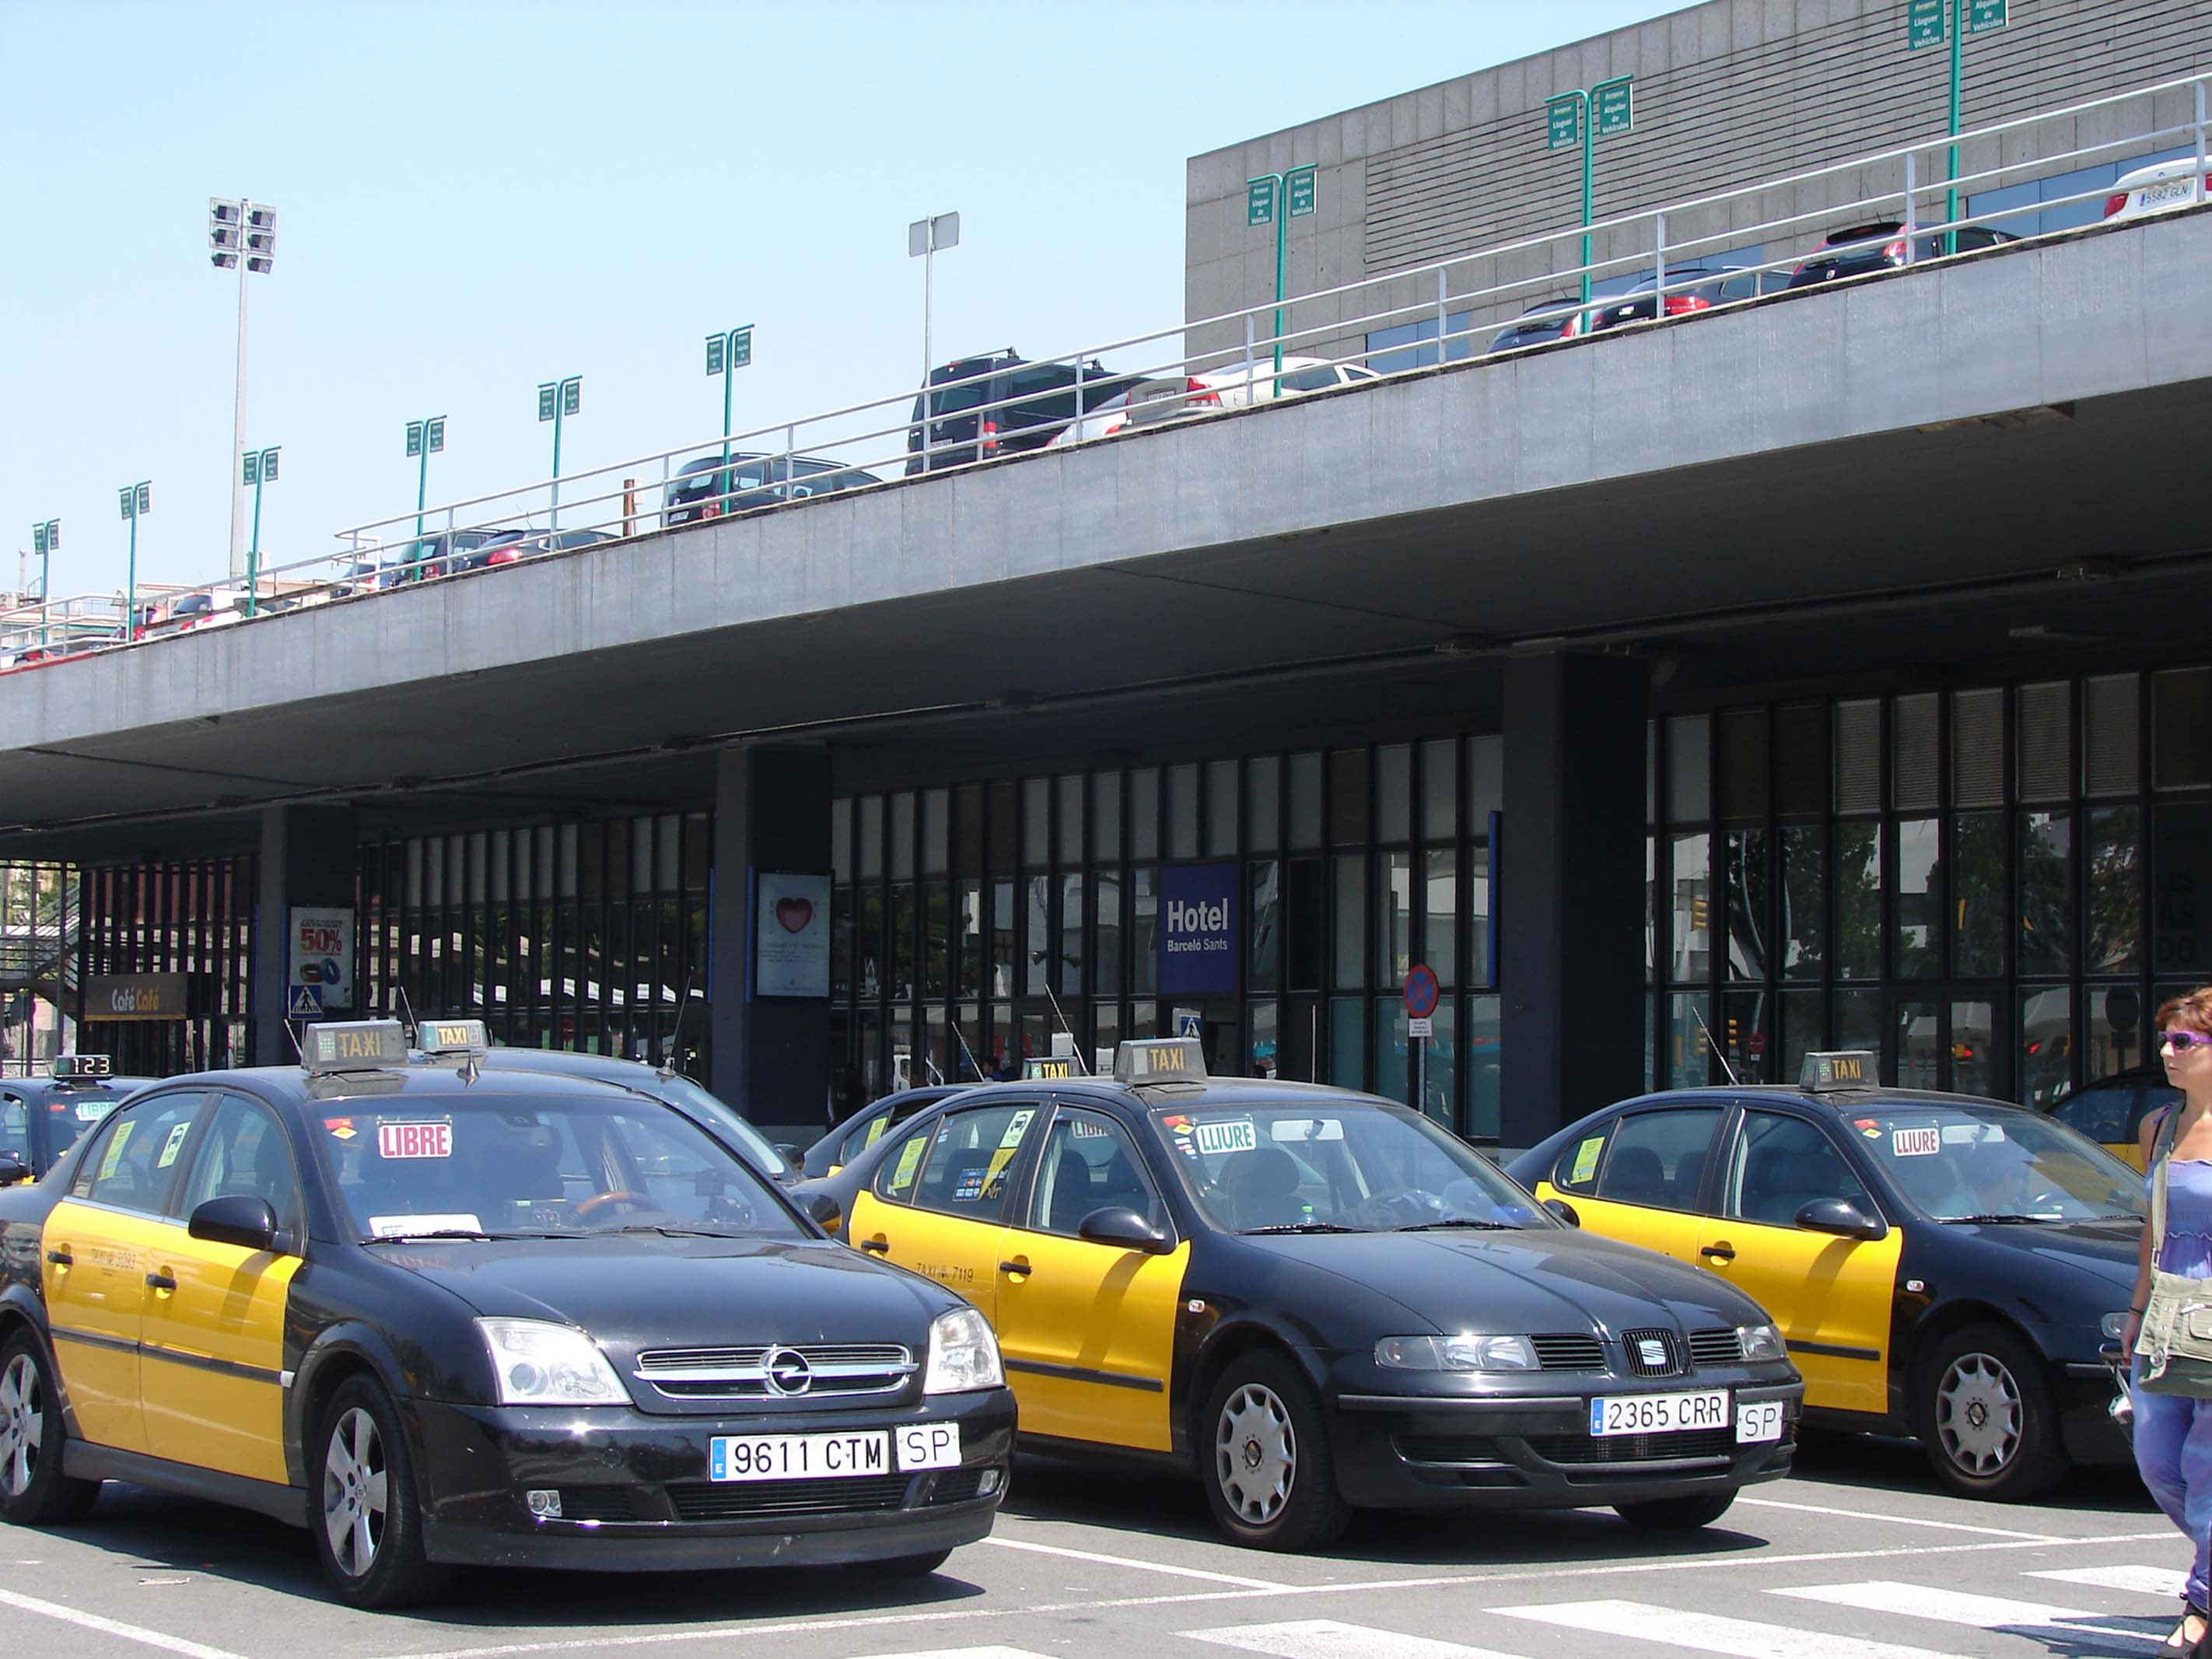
column 1961, row 1607
column 1706, row 1633
column 1325, row 1638
column 2135, row 1580
column 961, row 1653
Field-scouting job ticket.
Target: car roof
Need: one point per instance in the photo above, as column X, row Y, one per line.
column 1213, row 1093
column 446, row 1082
column 1839, row 1100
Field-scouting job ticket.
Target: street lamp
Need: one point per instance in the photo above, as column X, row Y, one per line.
column 726, row 355
column 425, row 439
column 1276, row 199
column 46, row 542
column 924, row 237
column 137, row 502
column 557, row 399
column 260, row 468
column 241, row 234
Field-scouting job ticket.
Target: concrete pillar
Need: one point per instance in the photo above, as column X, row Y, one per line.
column 1571, row 891
column 770, row 1057
column 310, row 855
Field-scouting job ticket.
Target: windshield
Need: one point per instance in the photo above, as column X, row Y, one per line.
column 516, row 1163
column 1336, row 1166
column 1960, row 1162
column 682, row 1091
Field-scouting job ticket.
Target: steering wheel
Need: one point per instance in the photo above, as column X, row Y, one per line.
column 1407, row 1205
column 619, row 1195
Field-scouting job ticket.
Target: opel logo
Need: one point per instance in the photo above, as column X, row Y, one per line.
column 787, row 1371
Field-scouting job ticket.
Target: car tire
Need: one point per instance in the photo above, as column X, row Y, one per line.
column 34, row 1490
column 1264, row 1459
column 365, row 1514
column 1684, row 1514
column 909, row 1566
column 1985, row 1415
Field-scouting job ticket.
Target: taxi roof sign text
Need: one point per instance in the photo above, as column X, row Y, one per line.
column 361, row 1045
column 1845, row 1068
column 1160, row 1060
column 69, row 1066
column 453, row 1036
column 1050, row 1066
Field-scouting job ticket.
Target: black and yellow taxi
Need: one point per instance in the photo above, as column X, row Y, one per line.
column 441, row 1315
column 865, row 1127
column 1316, row 1301
column 2111, row 1111
column 1941, row 1265
column 42, row 1117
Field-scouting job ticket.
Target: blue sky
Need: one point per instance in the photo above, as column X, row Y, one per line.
column 475, row 198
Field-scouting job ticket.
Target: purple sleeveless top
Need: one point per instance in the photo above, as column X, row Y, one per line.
column 2187, row 1247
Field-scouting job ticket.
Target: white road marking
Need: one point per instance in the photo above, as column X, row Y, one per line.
column 152, row 1638
column 962, row 1653
column 1897, row 1520
column 1325, row 1638
column 1133, row 1561
column 2135, row 1580
column 1961, row 1607
column 1706, row 1633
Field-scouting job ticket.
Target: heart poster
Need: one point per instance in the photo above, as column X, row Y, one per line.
column 791, row 935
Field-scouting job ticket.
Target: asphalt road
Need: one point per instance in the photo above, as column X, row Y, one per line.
column 1858, row 1556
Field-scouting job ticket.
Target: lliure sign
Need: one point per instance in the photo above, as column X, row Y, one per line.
column 1198, row 929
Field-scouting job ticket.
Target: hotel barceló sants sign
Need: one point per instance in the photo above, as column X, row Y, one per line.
column 1198, row 929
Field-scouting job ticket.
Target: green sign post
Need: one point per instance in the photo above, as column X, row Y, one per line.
column 1932, row 23
column 46, row 542
column 1276, row 199
column 726, row 355
column 557, row 401
column 259, row 469
column 137, row 502
column 424, row 439
column 1583, row 117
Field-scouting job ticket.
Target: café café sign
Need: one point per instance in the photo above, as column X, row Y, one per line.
column 135, row 996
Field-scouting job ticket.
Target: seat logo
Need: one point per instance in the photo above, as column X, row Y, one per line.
column 1653, row 1352
column 787, row 1371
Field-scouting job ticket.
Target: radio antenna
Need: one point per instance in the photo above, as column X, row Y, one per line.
column 1070, row 1029
column 406, row 1009
column 960, row 1036
column 298, row 1053
column 1715, row 1047
column 667, row 1067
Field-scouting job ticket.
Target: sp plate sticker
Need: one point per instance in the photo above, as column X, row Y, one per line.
column 1916, row 1143
column 415, row 1140
column 1234, row 1135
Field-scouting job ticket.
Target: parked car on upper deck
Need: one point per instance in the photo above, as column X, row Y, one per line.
column 2158, row 188
column 1880, row 246
column 702, row 489
column 1558, row 318
column 1002, row 404
column 1171, row 397
column 1689, row 287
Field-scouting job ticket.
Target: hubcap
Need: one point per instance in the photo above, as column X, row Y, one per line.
column 1978, row 1414
column 22, row 1424
column 1255, row 1453
column 354, row 1492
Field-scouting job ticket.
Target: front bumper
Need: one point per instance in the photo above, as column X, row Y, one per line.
column 635, row 1495
column 1535, row 1450
column 2084, row 1392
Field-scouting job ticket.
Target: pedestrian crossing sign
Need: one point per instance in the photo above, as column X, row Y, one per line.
column 306, row 1002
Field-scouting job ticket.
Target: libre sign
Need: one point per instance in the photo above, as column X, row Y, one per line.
column 1198, row 929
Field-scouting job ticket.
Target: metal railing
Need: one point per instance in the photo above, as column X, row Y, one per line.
column 1072, row 397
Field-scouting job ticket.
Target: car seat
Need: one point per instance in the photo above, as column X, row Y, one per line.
column 1072, row 1193
column 1689, row 1174
column 1634, row 1174
column 1263, row 1186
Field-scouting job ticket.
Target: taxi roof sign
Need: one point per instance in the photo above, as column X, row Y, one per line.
column 68, row 1067
column 454, row 1036
column 360, row 1045
column 1844, row 1068
column 1160, row 1060
column 1050, row 1066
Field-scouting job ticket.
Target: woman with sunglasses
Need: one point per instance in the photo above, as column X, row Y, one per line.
column 2173, row 1433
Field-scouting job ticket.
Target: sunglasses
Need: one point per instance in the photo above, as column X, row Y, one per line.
column 2183, row 1041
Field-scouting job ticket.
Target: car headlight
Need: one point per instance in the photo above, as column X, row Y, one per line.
column 538, row 1363
column 963, row 1355
column 1761, row 1343
column 1465, row 1352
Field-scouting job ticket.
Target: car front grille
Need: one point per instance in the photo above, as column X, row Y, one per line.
column 743, row 1500
column 601, row 1503
column 1632, row 1447
column 1718, row 1346
column 1652, row 1353
column 1570, row 1350
column 830, row 1369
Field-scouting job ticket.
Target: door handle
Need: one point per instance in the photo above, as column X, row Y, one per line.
column 61, row 1258
column 877, row 1246
column 1019, row 1265
column 1718, row 1252
column 162, row 1280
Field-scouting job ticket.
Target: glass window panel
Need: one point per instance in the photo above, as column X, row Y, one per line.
column 1919, row 1044
column 1037, row 933
column 1263, row 791
column 1650, row 906
column 2046, row 1047
column 999, row 826
column 1978, row 895
column 1182, row 811
column 937, row 901
column 1347, row 1041
column 2181, row 728
column 2113, row 870
column 1144, row 813
column 2046, row 893
column 1106, row 912
column 1393, row 922
column 1143, row 934
column 1265, row 877
column 1691, row 954
column 2116, row 1018
column 1220, row 808
column 901, row 925
column 1485, row 1063
column 1263, row 1051
column 1305, row 801
column 1306, row 922
column 1106, row 1032
column 1347, row 797
column 1482, row 968
column 902, row 824
column 1106, row 817
column 1804, row 932
column 1070, row 832
column 1744, row 1035
column 668, row 855
column 1440, row 790
column 1486, row 781
column 1071, row 935
column 936, row 831
column 1144, row 1019
column 1858, row 901
column 1437, row 1060
column 1393, row 1051
column 1036, row 823
column 1689, row 1017
column 968, row 968
column 1689, row 769
column 1001, row 968
column 841, row 943
column 698, row 851
column 1973, row 1048
column 871, row 837
column 1919, row 901
column 968, row 829
column 1747, row 898
column 1858, row 1020
column 2181, row 883
column 1440, row 913
column 1393, row 785
column 1799, row 1010
column 1350, row 954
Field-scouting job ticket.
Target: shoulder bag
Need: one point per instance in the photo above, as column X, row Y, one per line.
column 2176, row 1342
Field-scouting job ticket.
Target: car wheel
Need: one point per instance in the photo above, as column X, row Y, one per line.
column 368, row 1523
column 909, row 1566
column 1683, row 1514
column 34, row 1490
column 1269, row 1473
column 1986, row 1418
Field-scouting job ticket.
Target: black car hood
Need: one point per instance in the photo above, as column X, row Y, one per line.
column 1547, row 1279
column 2106, row 1250
column 648, row 1290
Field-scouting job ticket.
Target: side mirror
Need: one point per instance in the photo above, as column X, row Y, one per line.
column 1118, row 1225
column 1563, row 1211
column 1842, row 1218
column 790, row 1153
column 823, row 1211
column 13, row 1170
column 241, row 1219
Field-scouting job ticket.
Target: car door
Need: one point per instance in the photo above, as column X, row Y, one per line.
column 1088, row 1330
column 98, row 1241
column 213, row 1348
column 1638, row 1178
column 1831, row 1296
column 939, row 1199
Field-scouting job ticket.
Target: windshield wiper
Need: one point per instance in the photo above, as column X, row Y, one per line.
column 458, row 1232
column 675, row 1232
column 2002, row 1219
column 1431, row 1226
column 1305, row 1227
